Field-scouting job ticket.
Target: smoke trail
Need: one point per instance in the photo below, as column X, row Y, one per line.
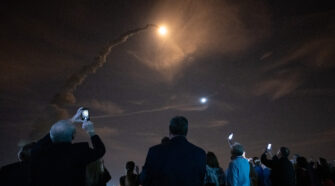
column 55, row 110
column 65, row 96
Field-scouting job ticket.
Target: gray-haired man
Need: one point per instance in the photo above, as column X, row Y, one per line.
column 58, row 161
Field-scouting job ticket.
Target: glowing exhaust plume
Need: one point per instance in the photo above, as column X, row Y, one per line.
column 55, row 109
column 162, row 30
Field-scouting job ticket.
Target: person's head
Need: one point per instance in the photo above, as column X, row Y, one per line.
column 62, row 131
column 165, row 140
column 178, row 126
column 130, row 166
column 24, row 153
column 283, row 152
column 94, row 170
column 256, row 161
column 212, row 161
column 237, row 150
column 323, row 162
column 302, row 162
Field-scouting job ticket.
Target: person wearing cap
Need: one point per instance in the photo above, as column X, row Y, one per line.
column 282, row 171
column 239, row 168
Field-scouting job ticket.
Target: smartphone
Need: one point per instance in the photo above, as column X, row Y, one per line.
column 230, row 137
column 269, row 147
column 85, row 114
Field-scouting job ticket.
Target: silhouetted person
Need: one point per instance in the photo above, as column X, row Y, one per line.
column 332, row 170
column 177, row 163
column 18, row 173
column 253, row 174
column 58, row 162
column 215, row 175
column 130, row 179
column 259, row 171
column 315, row 178
column 282, row 171
column 239, row 169
column 302, row 172
column 266, row 174
column 324, row 172
column 97, row 174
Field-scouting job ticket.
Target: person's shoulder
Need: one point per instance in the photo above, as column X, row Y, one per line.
column 157, row 147
column 11, row 166
column 196, row 148
column 240, row 160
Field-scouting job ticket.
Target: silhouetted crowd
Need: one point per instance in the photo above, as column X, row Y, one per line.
column 55, row 161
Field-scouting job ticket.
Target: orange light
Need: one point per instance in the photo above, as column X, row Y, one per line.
column 162, row 30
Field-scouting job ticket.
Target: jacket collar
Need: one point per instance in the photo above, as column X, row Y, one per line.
column 178, row 139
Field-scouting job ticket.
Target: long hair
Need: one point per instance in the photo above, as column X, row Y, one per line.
column 212, row 161
column 94, row 172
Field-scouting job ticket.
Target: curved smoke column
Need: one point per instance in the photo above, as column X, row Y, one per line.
column 65, row 96
column 55, row 110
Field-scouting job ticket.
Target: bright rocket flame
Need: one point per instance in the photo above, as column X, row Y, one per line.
column 162, row 30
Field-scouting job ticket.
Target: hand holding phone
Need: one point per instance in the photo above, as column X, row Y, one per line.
column 230, row 137
column 85, row 114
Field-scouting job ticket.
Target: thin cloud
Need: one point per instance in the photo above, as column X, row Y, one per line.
column 107, row 107
column 315, row 92
column 218, row 123
column 106, row 131
column 212, row 124
column 313, row 53
column 266, row 55
column 285, row 75
column 279, row 86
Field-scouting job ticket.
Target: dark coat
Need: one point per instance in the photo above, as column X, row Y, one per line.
column 133, row 180
column 15, row 174
column 282, row 171
column 104, row 179
column 63, row 164
column 177, row 163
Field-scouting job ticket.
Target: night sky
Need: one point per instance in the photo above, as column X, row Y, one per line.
column 266, row 66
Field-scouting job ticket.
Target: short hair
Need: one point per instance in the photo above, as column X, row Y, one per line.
column 212, row 161
column 130, row 166
column 237, row 149
column 62, row 131
column 284, row 151
column 24, row 153
column 178, row 125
